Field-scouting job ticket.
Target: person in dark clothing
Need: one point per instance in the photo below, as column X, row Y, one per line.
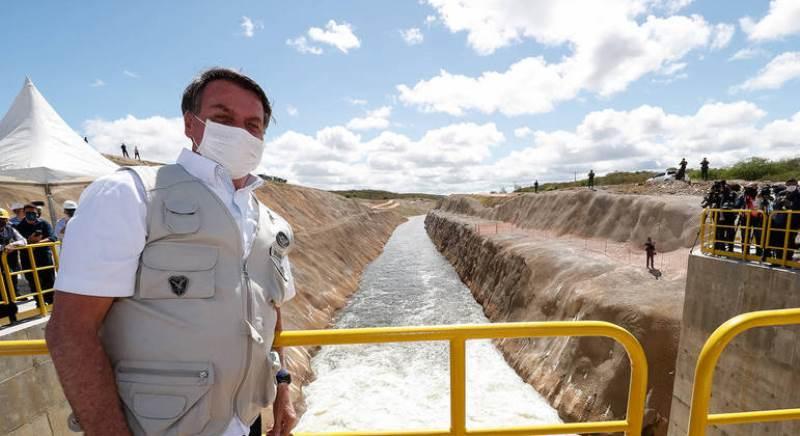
column 681, row 174
column 788, row 201
column 10, row 240
column 136, row 154
column 591, row 179
column 704, row 169
column 124, row 149
column 650, row 250
column 536, row 187
column 37, row 230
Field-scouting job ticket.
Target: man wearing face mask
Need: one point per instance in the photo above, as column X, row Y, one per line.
column 171, row 283
column 36, row 230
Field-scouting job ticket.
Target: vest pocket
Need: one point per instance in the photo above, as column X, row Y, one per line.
column 166, row 397
column 181, row 216
column 177, row 270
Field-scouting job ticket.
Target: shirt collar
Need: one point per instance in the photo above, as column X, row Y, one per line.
column 212, row 173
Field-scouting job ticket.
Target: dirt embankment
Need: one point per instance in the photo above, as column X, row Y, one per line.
column 517, row 277
column 671, row 221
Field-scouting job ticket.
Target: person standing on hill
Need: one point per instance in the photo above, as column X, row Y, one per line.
column 650, row 250
column 681, row 174
column 591, row 179
column 704, row 169
column 136, row 154
column 536, row 187
column 172, row 281
column 124, row 149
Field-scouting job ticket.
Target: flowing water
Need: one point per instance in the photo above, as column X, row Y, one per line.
column 406, row 386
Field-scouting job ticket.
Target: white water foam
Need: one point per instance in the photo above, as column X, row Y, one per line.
column 406, row 386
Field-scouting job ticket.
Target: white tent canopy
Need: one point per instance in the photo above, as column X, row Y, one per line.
column 37, row 145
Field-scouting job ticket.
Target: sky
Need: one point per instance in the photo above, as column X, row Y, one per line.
column 434, row 96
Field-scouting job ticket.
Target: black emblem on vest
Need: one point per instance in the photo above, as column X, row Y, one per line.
column 282, row 239
column 178, row 284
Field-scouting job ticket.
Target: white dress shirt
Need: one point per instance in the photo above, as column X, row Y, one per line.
column 109, row 230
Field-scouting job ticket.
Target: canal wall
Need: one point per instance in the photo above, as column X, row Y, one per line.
column 336, row 239
column 758, row 369
column 519, row 278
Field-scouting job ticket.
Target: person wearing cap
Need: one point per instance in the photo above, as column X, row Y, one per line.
column 37, row 230
column 19, row 214
column 69, row 210
column 10, row 240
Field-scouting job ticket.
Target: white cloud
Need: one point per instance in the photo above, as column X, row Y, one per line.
column 301, row 44
column 612, row 44
column 292, row 111
column 723, row 33
column 374, row 119
column 783, row 19
column 158, row 138
column 340, row 36
column 523, row 132
column 412, row 36
column 462, row 157
column 97, row 83
column 781, row 69
column 748, row 53
column 430, row 19
column 249, row 26
column 130, row 74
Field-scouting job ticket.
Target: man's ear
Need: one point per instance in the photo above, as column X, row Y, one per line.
column 187, row 124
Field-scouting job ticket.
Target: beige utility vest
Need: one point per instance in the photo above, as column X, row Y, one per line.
column 191, row 348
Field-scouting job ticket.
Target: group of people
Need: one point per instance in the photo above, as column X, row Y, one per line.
column 23, row 226
column 125, row 154
column 748, row 211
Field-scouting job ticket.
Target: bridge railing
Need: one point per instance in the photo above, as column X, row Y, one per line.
column 699, row 418
column 751, row 234
column 457, row 337
column 9, row 294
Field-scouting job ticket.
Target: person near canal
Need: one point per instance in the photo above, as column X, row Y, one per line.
column 681, row 174
column 171, row 282
column 37, row 230
column 650, row 251
column 591, row 179
column 10, row 241
column 536, row 187
column 124, row 149
column 704, row 169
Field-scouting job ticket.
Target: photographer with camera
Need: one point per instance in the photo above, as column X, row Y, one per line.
column 787, row 199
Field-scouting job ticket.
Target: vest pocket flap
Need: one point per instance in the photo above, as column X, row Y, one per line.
column 179, row 257
column 181, row 206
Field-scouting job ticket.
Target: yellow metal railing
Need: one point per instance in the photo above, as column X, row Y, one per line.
column 750, row 235
column 457, row 337
column 8, row 293
column 699, row 418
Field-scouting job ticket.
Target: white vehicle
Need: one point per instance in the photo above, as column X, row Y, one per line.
column 667, row 176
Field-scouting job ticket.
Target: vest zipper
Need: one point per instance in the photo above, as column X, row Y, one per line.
column 202, row 374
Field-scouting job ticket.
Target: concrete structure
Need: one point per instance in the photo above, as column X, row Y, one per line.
column 758, row 370
column 31, row 400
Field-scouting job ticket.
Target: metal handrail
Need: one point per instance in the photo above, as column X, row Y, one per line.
column 457, row 335
column 699, row 418
column 8, row 294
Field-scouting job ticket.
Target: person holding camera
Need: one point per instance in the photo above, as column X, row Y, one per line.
column 37, row 230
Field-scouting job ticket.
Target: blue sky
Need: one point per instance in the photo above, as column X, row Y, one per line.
column 490, row 93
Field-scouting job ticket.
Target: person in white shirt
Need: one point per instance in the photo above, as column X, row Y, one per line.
column 110, row 231
column 61, row 224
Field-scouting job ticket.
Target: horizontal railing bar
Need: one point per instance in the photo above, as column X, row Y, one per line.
column 552, row 429
column 754, row 416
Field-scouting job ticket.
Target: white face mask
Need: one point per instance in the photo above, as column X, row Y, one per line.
column 235, row 149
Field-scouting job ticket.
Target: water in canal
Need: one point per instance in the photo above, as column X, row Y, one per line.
column 406, row 386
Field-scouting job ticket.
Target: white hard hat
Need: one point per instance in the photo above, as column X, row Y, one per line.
column 69, row 204
column 15, row 206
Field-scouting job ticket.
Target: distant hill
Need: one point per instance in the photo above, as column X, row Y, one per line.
column 130, row 162
column 374, row 194
column 616, row 178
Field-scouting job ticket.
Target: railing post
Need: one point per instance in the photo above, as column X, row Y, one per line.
column 786, row 240
column 3, row 293
column 458, row 381
column 37, row 283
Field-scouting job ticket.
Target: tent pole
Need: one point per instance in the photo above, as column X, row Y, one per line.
column 49, row 195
